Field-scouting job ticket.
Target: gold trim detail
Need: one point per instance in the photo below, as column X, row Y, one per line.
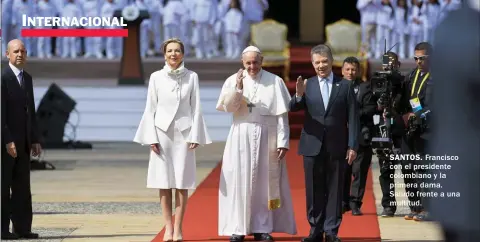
column 274, row 204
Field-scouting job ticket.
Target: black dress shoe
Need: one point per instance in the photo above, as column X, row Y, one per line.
column 312, row 239
column 9, row 236
column 356, row 212
column 332, row 238
column 29, row 235
column 262, row 237
column 388, row 212
column 237, row 238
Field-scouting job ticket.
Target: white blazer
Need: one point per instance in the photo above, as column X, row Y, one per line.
column 173, row 98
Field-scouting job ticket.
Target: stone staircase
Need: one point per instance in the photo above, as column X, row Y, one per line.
column 113, row 113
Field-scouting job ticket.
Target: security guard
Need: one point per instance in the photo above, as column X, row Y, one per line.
column 413, row 108
column 354, row 191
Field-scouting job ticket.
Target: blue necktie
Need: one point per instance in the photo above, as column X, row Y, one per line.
column 20, row 78
column 325, row 93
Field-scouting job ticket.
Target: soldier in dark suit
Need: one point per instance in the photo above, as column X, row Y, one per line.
column 328, row 140
column 455, row 128
column 367, row 107
column 19, row 140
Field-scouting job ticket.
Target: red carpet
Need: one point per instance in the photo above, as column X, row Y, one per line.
column 201, row 217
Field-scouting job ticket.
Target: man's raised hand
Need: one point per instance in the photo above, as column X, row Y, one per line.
column 300, row 86
column 240, row 78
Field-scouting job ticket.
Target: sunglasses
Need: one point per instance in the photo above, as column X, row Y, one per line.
column 423, row 57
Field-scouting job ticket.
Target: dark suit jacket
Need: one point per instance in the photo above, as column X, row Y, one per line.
column 456, row 126
column 367, row 107
column 402, row 100
column 337, row 127
column 18, row 110
column 405, row 106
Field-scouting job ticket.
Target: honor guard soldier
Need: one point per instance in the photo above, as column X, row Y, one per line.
column 204, row 15
column 20, row 8
column 108, row 9
column 368, row 15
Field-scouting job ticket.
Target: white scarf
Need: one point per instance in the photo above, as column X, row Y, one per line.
column 180, row 71
column 177, row 76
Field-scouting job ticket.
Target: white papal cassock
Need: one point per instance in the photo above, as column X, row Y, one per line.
column 254, row 195
column 172, row 118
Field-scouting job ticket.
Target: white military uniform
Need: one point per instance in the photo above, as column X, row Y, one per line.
column 44, row 44
column 58, row 4
column 155, row 10
column 21, row 7
column 172, row 118
column 399, row 30
column 173, row 13
column 233, row 25
column 368, row 20
column 383, row 32
column 119, row 4
column 70, row 10
column 222, row 9
column 204, row 15
column 144, row 29
column 187, row 25
column 93, row 45
column 446, row 6
column 253, row 11
column 415, row 29
column 432, row 15
column 108, row 9
column 7, row 32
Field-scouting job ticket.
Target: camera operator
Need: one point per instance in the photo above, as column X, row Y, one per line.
column 352, row 198
column 411, row 118
column 397, row 130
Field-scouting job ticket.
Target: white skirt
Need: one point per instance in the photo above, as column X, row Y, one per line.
column 175, row 166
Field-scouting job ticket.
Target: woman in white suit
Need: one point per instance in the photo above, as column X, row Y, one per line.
column 173, row 125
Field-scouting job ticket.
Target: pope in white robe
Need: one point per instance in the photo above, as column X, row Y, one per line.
column 254, row 194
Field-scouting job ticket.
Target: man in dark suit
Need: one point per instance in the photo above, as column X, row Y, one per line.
column 455, row 124
column 328, row 141
column 353, row 192
column 19, row 140
column 412, row 105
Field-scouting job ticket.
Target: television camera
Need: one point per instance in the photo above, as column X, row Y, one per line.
column 386, row 85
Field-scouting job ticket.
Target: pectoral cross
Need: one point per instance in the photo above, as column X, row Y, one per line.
column 250, row 106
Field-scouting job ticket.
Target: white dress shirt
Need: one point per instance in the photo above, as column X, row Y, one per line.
column 17, row 72
column 329, row 81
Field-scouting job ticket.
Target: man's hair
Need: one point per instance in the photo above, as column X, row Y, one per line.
column 173, row 40
column 352, row 60
column 424, row 46
column 323, row 50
